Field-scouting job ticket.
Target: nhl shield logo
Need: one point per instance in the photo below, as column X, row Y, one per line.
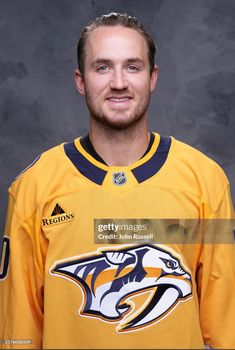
column 119, row 178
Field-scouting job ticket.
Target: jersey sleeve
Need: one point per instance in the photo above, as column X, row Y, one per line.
column 21, row 283
column 216, row 280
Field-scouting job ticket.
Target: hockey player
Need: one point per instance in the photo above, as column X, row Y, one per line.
column 60, row 287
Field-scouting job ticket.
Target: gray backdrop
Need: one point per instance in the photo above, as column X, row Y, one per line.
column 39, row 107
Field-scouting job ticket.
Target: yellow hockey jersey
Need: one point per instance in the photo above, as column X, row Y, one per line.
column 74, row 275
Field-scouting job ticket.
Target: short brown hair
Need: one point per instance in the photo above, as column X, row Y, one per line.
column 114, row 19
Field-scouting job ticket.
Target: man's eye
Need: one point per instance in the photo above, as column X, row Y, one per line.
column 102, row 69
column 133, row 69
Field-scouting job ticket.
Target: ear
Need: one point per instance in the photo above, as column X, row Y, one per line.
column 154, row 76
column 79, row 82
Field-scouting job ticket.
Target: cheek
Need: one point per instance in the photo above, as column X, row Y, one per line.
column 141, row 85
column 96, row 85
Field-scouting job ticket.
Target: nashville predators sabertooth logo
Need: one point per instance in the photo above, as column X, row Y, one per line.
column 110, row 279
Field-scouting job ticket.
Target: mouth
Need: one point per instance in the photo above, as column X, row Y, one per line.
column 119, row 101
column 119, row 98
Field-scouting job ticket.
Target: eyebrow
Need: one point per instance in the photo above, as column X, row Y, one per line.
column 107, row 60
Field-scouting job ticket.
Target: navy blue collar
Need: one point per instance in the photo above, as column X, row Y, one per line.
column 142, row 172
column 86, row 143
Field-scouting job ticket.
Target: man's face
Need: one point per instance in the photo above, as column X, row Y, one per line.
column 117, row 83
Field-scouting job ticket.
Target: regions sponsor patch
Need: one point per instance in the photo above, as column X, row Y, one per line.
column 58, row 216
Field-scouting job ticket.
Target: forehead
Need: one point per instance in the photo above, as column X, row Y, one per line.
column 116, row 42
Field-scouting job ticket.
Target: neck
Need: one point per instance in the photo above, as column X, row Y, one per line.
column 119, row 147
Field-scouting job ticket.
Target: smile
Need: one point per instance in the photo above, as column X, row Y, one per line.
column 119, row 102
column 119, row 99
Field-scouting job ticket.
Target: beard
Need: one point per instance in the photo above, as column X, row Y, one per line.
column 114, row 119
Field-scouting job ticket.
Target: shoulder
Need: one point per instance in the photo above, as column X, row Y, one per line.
column 199, row 163
column 199, row 172
column 50, row 156
column 45, row 162
column 40, row 179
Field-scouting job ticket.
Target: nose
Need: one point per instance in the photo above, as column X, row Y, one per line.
column 118, row 80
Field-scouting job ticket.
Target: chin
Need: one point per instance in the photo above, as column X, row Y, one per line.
column 117, row 120
column 120, row 123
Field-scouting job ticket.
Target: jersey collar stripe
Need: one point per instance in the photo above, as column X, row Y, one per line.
column 83, row 165
column 154, row 164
